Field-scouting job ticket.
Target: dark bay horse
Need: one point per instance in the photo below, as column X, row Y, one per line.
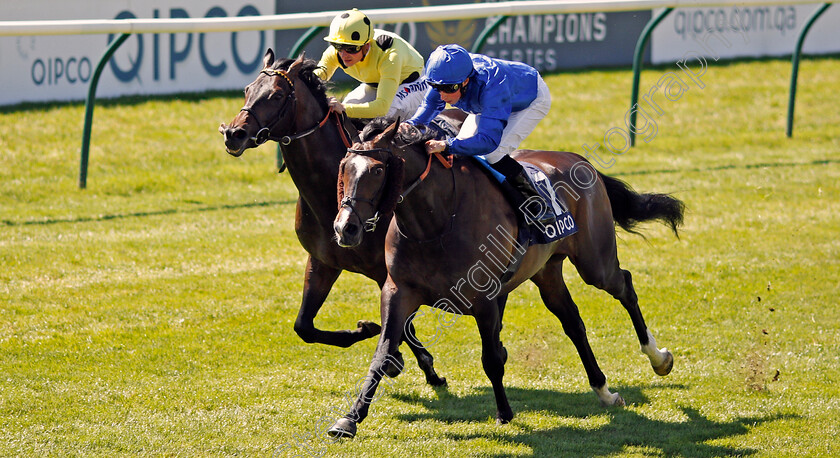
column 288, row 103
column 454, row 234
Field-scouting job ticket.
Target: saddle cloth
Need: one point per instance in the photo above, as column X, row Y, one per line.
column 561, row 225
column 551, row 208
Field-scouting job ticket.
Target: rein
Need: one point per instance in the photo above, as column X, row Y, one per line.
column 447, row 164
column 288, row 139
column 445, row 161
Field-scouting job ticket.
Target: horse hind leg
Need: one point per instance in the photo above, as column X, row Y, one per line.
column 555, row 295
column 619, row 284
column 661, row 360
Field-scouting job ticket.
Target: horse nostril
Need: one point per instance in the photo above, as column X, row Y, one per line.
column 351, row 229
column 237, row 134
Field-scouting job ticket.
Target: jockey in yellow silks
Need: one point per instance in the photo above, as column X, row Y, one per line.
column 389, row 68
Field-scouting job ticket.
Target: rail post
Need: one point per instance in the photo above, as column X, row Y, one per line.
column 489, row 28
column 89, row 103
column 638, row 53
column 794, row 74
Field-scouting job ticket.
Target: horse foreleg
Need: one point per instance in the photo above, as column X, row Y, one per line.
column 556, row 297
column 424, row 359
column 493, row 356
column 317, row 282
column 395, row 309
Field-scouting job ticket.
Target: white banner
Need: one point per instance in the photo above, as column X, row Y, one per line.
column 45, row 68
column 749, row 31
column 60, row 67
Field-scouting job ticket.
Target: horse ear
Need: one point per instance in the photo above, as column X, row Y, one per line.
column 268, row 59
column 296, row 65
column 390, row 132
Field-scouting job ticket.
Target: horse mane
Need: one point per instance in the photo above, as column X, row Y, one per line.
column 316, row 85
column 375, row 127
column 378, row 125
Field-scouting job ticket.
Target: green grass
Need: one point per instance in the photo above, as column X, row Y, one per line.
column 151, row 314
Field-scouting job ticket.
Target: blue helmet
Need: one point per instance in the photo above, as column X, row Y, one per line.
column 449, row 64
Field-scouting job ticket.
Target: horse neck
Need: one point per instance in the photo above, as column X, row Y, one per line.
column 427, row 211
column 312, row 161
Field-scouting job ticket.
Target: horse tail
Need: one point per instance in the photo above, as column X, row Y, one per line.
column 630, row 208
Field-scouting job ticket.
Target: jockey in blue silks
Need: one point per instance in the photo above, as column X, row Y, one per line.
column 504, row 100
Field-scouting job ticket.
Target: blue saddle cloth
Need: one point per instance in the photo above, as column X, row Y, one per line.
column 551, row 208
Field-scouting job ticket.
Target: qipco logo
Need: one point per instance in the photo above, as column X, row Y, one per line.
column 167, row 51
column 53, row 70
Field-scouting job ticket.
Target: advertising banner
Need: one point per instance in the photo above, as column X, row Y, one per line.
column 59, row 68
column 47, row 68
column 756, row 31
column 547, row 42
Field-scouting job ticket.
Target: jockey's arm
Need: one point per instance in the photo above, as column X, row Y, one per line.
column 386, row 90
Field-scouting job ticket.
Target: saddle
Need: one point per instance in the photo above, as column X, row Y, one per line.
column 544, row 221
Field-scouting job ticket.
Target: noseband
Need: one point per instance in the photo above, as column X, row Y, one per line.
column 370, row 223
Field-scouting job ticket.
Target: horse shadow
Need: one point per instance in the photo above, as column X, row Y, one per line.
column 617, row 428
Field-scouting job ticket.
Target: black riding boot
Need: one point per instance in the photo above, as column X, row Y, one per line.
column 516, row 175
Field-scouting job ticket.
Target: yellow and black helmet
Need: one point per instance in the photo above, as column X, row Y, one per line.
column 351, row 27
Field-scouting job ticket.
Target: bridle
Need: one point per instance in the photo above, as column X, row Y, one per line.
column 369, row 224
column 264, row 133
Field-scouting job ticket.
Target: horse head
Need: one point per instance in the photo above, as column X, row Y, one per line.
column 270, row 109
column 370, row 179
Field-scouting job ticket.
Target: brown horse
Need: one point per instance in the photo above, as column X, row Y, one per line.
column 288, row 103
column 454, row 235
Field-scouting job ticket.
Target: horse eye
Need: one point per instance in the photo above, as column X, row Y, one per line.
column 378, row 170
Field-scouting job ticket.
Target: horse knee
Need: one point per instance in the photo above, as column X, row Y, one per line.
column 494, row 363
column 574, row 330
column 305, row 332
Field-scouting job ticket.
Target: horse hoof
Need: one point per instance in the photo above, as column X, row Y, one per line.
column 437, row 381
column 392, row 369
column 615, row 401
column 666, row 366
column 503, row 419
column 343, row 428
column 368, row 328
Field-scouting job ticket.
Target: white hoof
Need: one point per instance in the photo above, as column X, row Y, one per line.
column 607, row 398
column 665, row 367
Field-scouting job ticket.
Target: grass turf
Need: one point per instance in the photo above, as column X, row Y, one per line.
column 152, row 312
